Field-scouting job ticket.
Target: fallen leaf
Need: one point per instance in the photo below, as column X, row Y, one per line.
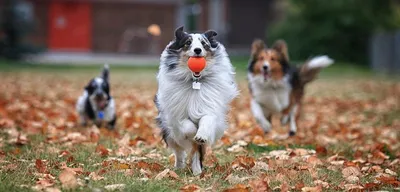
column 245, row 162
column 259, row 185
column 40, row 166
column 162, row 174
column 312, row 189
column 284, row 187
column 102, row 150
column 237, row 188
column 95, row 177
column 68, row 179
column 352, row 179
column 351, row 171
column 190, row 188
column 390, row 172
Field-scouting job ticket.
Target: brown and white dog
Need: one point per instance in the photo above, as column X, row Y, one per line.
column 277, row 87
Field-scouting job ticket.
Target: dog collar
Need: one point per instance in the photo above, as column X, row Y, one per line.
column 196, row 84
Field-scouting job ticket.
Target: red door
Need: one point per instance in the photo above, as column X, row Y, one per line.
column 70, row 26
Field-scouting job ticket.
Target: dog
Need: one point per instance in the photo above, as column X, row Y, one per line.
column 96, row 103
column 278, row 87
column 193, row 116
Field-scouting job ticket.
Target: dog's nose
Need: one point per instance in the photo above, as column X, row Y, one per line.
column 99, row 94
column 197, row 51
column 265, row 67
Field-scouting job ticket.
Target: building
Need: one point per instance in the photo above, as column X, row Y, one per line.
column 120, row 26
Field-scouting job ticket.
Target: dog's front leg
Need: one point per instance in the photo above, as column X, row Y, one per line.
column 207, row 128
column 260, row 116
column 292, row 118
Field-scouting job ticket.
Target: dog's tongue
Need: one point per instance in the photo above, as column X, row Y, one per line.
column 266, row 75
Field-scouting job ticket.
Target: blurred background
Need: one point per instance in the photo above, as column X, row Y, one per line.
column 360, row 32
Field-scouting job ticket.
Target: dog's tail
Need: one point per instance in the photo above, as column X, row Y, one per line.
column 106, row 72
column 310, row 70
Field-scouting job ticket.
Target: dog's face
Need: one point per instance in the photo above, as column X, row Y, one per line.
column 194, row 45
column 99, row 92
column 271, row 63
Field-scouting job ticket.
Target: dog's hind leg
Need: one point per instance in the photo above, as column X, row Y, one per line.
column 260, row 116
column 197, row 157
column 179, row 152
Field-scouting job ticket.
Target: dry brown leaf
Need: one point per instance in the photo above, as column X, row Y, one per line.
column 284, row 187
column 259, row 185
column 190, row 188
column 312, row 189
column 102, row 150
column 95, row 177
column 162, row 174
column 245, row 162
column 351, row 171
column 41, row 166
column 352, row 179
column 237, row 188
column 353, row 187
column 314, row 161
column 68, row 179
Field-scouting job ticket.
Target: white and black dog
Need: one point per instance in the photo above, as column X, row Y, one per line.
column 96, row 103
column 192, row 117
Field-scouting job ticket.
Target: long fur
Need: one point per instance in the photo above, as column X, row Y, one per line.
column 188, row 116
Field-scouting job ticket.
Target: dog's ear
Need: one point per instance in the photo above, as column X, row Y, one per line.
column 89, row 87
column 106, row 72
column 281, row 47
column 179, row 33
column 180, row 37
column 210, row 34
column 256, row 47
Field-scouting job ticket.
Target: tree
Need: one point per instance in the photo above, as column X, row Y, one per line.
column 339, row 28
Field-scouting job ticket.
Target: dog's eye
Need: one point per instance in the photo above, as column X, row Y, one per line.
column 188, row 43
column 273, row 59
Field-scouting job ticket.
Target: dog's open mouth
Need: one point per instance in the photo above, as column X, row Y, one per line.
column 196, row 74
column 101, row 102
column 266, row 75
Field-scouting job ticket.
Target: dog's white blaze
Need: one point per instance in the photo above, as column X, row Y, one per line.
column 320, row 62
column 272, row 94
column 266, row 63
column 98, row 81
column 196, row 43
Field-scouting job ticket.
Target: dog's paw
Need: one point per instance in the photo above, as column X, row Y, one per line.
column 199, row 139
column 292, row 133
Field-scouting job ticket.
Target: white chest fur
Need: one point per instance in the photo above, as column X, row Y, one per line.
column 181, row 101
column 272, row 95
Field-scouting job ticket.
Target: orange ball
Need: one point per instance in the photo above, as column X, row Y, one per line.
column 196, row 64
